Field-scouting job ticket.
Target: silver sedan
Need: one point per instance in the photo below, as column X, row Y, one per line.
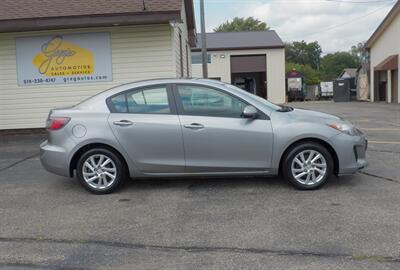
column 195, row 127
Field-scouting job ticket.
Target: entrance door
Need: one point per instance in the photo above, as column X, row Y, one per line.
column 382, row 91
column 145, row 123
column 251, row 82
column 249, row 73
column 247, row 83
column 395, row 80
column 216, row 138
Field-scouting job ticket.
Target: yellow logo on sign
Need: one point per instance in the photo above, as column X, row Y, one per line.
column 61, row 58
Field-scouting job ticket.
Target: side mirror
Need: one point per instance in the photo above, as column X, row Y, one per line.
column 250, row 112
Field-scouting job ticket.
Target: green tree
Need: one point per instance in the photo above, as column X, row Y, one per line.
column 333, row 64
column 360, row 52
column 310, row 74
column 303, row 53
column 242, row 24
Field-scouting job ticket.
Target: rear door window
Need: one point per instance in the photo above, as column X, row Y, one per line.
column 142, row 101
column 119, row 104
column 154, row 100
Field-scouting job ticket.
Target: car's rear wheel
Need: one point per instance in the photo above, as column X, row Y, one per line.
column 100, row 171
column 307, row 166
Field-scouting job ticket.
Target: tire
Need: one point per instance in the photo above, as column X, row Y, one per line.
column 98, row 179
column 310, row 175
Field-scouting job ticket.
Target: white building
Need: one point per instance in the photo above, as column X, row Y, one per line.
column 254, row 61
column 61, row 54
column 384, row 46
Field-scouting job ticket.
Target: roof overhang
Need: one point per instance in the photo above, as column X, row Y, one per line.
column 52, row 23
column 239, row 48
column 341, row 74
column 390, row 63
column 104, row 20
column 384, row 25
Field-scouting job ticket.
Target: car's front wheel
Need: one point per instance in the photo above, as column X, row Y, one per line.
column 100, row 171
column 307, row 165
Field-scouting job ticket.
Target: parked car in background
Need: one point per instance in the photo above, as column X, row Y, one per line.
column 195, row 127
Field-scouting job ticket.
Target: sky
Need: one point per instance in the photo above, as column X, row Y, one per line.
column 335, row 24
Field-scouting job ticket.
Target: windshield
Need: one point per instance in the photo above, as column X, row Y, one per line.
column 260, row 99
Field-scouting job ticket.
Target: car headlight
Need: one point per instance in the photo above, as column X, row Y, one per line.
column 345, row 128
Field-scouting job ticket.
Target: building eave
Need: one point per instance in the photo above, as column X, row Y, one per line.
column 390, row 63
column 53, row 23
column 239, row 48
column 384, row 25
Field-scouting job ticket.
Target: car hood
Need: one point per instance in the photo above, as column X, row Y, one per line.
column 308, row 115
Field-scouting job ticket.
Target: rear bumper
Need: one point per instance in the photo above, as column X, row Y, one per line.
column 351, row 152
column 54, row 159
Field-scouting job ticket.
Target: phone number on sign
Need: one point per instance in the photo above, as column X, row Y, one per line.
column 66, row 79
column 40, row 80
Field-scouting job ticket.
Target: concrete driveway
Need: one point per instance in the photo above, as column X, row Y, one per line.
column 50, row 222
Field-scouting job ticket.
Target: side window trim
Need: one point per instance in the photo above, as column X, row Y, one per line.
column 170, row 95
column 181, row 111
column 177, row 99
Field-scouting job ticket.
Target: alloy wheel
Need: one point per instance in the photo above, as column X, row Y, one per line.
column 309, row 167
column 99, row 171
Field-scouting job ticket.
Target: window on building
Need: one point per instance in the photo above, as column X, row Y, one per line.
column 196, row 58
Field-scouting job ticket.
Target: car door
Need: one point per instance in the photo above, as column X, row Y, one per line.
column 216, row 137
column 145, row 123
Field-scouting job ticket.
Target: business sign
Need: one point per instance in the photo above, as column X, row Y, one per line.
column 64, row 59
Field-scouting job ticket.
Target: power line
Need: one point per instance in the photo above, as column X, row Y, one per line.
column 299, row 1
column 360, row 2
column 345, row 23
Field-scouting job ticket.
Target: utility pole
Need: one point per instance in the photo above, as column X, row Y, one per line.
column 203, row 41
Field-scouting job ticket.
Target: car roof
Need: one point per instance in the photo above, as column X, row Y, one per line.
column 96, row 103
column 169, row 80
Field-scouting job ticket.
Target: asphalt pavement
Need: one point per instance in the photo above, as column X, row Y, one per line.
column 51, row 222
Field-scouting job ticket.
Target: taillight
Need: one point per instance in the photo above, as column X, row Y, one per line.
column 56, row 123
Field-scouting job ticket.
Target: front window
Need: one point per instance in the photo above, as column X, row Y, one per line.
column 204, row 101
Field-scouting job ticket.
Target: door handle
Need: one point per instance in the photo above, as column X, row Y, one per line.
column 194, row 126
column 123, row 123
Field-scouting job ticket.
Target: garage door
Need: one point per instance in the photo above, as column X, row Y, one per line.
column 248, row 63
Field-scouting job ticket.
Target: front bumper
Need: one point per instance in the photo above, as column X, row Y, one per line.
column 54, row 159
column 351, row 152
